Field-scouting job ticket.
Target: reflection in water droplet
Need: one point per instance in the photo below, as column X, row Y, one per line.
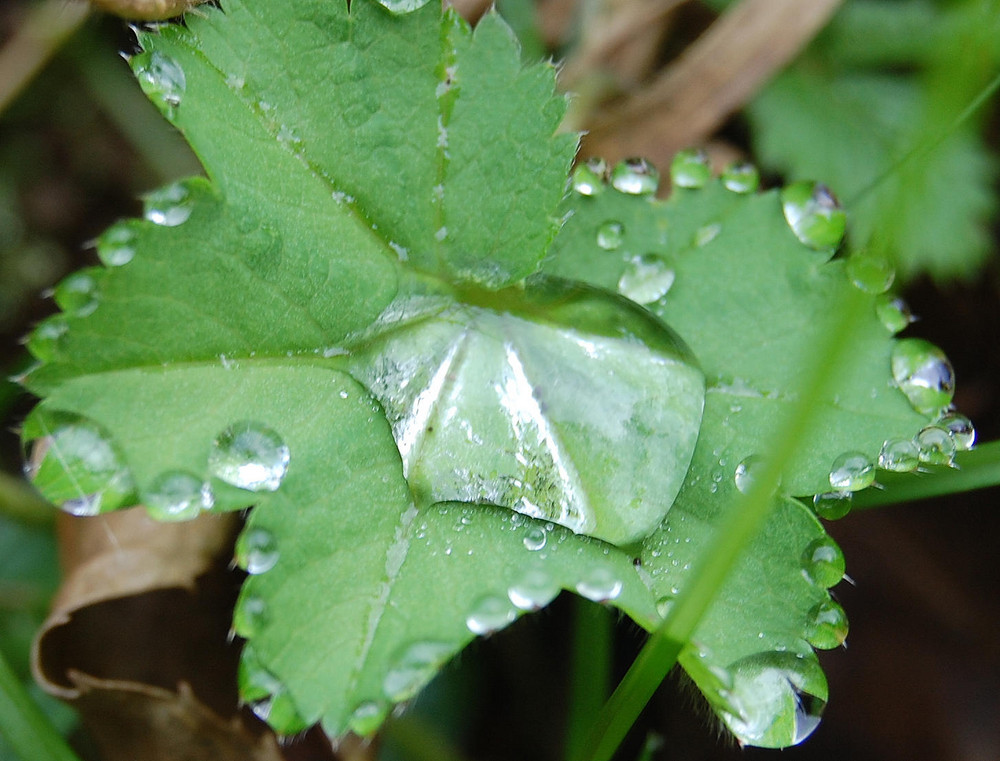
column 534, row 591
column 535, row 539
column 411, row 670
column 893, row 312
column 690, row 168
column 250, row 456
column 161, row 78
column 610, row 235
column 899, row 455
column 748, row 471
column 490, row 614
column 741, row 177
column 961, row 429
column 833, row 505
column 116, row 245
column 936, row 446
column 77, row 294
column 871, row 273
column 47, row 337
column 705, row 235
column 814, row 215
column 635, row 177
column 400, row 7
column 823, row 562
column 169, row 206
column 827, row 626
column 367, row 718
column 256, row 551
column 177, row 496
column 924, row 374
column 599, row 584
column 852, row 471
column 589, row 177
column 646, row 279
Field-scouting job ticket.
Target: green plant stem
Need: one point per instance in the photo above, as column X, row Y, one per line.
column 23, row 724
column 743, row 521
column 978, row 469
column 22, row 503
column 590, row 674
column 419, row 742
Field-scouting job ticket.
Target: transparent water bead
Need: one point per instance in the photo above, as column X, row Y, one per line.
column 77, row 294
column 690, row 168
column 893, row 312
column 936, row 446
column 169, row 206
column 823, row 562
column 872, row 274
column 249, row 455
column 250, row 616
column 899, row 456
column 635, row 176
column 401, row 7
column 963, row 433
column 827, row 627
column 257, row 551
column 161, row 78
column 367, row 717
column 748, row 471
column 590, row 176
column 177, row 496
column 540, row 388
column 46, row 340
column 610, row 235
column 924, row 374
column 833, row 505
column 533, row 591
column 535, row 539
column 599, row 585
column 814, row 214
column 741, row 177
column 416, row 665
column 116, row 245
column 705, row 235
column 281, row 713
column 852, row 471
column 490, row 614
column 646, row 279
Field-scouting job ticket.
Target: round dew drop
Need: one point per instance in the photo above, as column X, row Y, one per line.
column 893, row 312
column 814, row 214
column 936, row 446
column 257, row 551
column 47, row 337
column 872, row 274
column 250, row 616
column 116, row 246
column 899, row 456
column 741, row 177
column 690, row 168
column 827, row 627
column 599, row 585
column 961, row 429
column 635, row 177
column 610, row 235
column 177, row 496
column 646, row 279
column 852, row 471
column 169, row 206
column 161, row 78
column 490, row 614
column 748, row 471
column 924, row 374
column 367, row 718
column 534, row 591
column 249, row 456
column 77, row 294
column 535, row 539
column 823, row 562
column 589, row 177
column 833, row 505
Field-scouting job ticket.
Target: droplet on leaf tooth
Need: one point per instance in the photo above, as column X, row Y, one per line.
column 899, row 455
column 281, row 714
column 893, row 312
column 177, row 496
column 936, row 445
column 827, row 626
column 870, row 273
column 250, row 616
column 416, row 665
column 169, row 206
column 161, row 78
column 46, row 339
column 257, row 551
column 367, row 717
column 814, row 214
column 741, row 177
column 832, row 505
column 635, row 177
column 924, row 374
column 963, row 433
column 690, row 168
column 823, row 562
column 249, row 456
column 490, row 614
column 589, row 177
column 533, row 591
column 77, row 294
column 599, row 584
column 116, row 245
column 610, row 235
column 646, row 279
column 852, row 471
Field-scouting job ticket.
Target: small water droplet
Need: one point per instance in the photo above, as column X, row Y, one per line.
column 413, row 668
column 610, row 235
column 177, row 496
column 893, row 312
column 872, row 274
column 705, row 235
column 823, row 562
column 77, row 294
column 899, row 455
column 281, row 713
column 400, row 7
column 169, row 206
column 748, row 471
column 250, row 456
column 535, row 539
column 161, row 78
column 852, row 471
column 116, row 245
column 741, row 177
column 827, row 626
column 490, row 614
column 533, row 591
column 664, row 605
column 635, row 176
column 814, row 215
column 589, row 177
column 961, row 429
column 646, row 279
column 690, row 168
column 924, row 374
column 833, row 505
column 599, row 584
column 257, row 551
column 367, row 717
column 47, row 337
column 936, row 446
column 250, row 616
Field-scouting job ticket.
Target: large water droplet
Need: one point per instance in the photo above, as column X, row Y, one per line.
column 814, row 214
column 77, row 294
column 827, row 626
column 490, row 614
column 871, row 273
column 936, row 446
column 250, row 456
column 924, row 374
column 169, row 206
column 599, row 584
column 961, row 429
column 823, row 562
column 589, row 177
column 741, row 177
column 748, row 471
column 833, row 505
column 535, row 539
column 177, row 496
column 161, row 78
column 256, row 550
column 852, row 471
column 610, row 235
column 400, row 7
column 635, row 177
column 690, row 168
column 646, row 279
column 47, row 337
column 367, row 717
column 116, row 245
column 893, row 312
column 413, row 668
column 899, row 455
column 534, row 590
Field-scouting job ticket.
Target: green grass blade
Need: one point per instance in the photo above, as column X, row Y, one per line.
column 593, row 630
column 24, row 726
